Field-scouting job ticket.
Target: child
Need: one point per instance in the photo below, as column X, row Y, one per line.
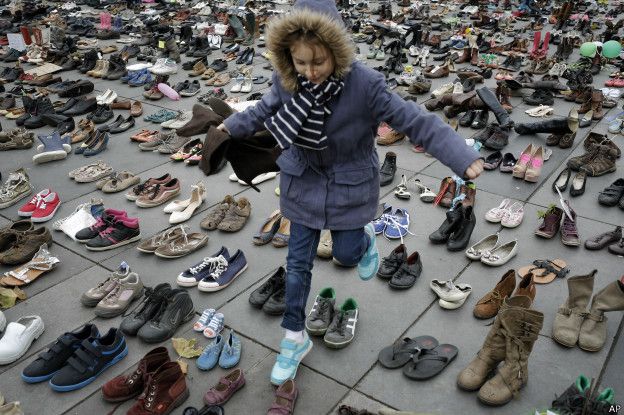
column 323, row 109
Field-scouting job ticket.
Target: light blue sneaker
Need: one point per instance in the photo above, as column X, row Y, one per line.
column 230, row 356
column 210, row 356
column 291, row 354
column 369, row 264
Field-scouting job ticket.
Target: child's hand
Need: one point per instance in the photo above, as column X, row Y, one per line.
column 475, row 169
column 223, row 128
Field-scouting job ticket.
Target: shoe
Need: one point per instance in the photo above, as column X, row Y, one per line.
column 287, row 362
column 501, row 254
column 236, row 216
column 225, row 272
column 459, row 239
column 120, row 232
column 341, row 331
column 193, row 275
column 569, row 231
column 210, row 356
column 276, row 304
column 102, row 223
column 150, row 304
column 523, row 163
column 45, row 208
column 182, row 210
column 551, row 220
column 388, row 169
column 369, row 264
column 397, row 224
column 325, row 247
column 604, row 239
column 407, row 274
column 261, row 295
column 94, row 295
column 227, row 386
column 165, row 389
column 231, row 353
column 158, row 194
column 285, row 398
column 175, row 310
column 15, row 188
column 90, row 361
column 55, row 357
column 26, row 245
column 118, row 300
column 508, row 163
column 612, row 194
column 490, row 303
column 322, row 312
column 391, row 263
column 126, row 387
column 18, row 337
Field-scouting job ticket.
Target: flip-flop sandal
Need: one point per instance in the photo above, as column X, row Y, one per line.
column 545, row 270
column 260, row 80
column 402, row 351
column 429, row 363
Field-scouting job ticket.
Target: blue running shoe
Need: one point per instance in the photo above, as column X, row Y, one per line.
column 210, row 356
column 369, row 264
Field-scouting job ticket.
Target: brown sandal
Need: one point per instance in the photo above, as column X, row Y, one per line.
column 545, row 270
column 41, row 263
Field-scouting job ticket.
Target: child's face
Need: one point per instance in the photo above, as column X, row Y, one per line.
column 313, row 61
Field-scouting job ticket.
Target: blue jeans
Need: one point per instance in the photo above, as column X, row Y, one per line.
column 348, row 248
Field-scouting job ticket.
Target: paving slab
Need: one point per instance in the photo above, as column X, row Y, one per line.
column 614, row 377
column 360, row 401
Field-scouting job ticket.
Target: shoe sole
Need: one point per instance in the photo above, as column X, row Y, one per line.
column 80, row 385
column 122, row 243
column 340, row 345
column 49, row 156
column 305, row 353
column 37, row 379
column 221, row 287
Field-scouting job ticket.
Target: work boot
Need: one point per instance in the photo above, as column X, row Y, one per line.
column 489, row 99
column 570, row 315
column 164, row 390
column 520, row 328
column 488, row 306
column 593, row 334
column 575, row 163
column 603, row 163
column 465, row 57
column 596, row 104
column 123, row 388
column 493, row 350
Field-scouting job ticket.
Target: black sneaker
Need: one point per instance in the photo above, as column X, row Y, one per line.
column 392, row 263
column 341, row 331
column 175, row 310
column 322, row 312
column 276, row 304
column 86, row 234
column 89, row 361
column 121, row 231
column 53, row 359
column 146, row 309
column 261, row 294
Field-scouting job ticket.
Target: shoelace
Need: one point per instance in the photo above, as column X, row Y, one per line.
column 341, row 323
column 207, row 262
column 174, row 245
column 321, row 310
column 221, row 266
column 391, row 221
column 569, row 226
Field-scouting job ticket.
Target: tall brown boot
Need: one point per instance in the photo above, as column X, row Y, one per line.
column 493, row 350
column 596, row 104
column 593, row 333
column 502, row 94
column 474, row 56
column 465, row 57
column 570, row 315
column 520, row 328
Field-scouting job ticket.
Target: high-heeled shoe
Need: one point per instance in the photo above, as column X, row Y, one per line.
column 522, row 164
column 99, row 144
column 534, row 168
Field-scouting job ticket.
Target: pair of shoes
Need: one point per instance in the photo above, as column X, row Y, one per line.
column 577, row 185
column 52, row 147
column 42, row 206
column 490, row 252
column 529, row 165
column 111, row 230
column 508, row 213
column 225, row 351
column 182, row 210
column 230, row 215
column 161, row 379
column 41, row 263
column 210, row 323
column 400, row 268
column 77, row 358
column 271, row 296
column 336, row 326
column 554, row 220
column 457, row 229
column 114, row 295
column 275, row 229
column 215, row 272
column 174, row 243
column 20, row 242
column 18, row 337
column 452, row 296
column 402, row 190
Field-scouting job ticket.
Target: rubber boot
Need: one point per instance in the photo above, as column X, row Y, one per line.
column 493, row 350
column 593, row 333
column 570, row 315
column 520, row 328
column 489, row 99
column 596, row 104
column 556, row 126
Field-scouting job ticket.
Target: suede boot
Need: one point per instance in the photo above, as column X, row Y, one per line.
column 520, row 327
column 593, row 334
column 493, row 350
column 570, row 315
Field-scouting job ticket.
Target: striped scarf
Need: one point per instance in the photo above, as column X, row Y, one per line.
column 301, row 120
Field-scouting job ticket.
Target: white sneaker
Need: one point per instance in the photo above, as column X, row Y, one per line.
column 444, row 89
column 164, row 66
column 260, row 178
column 178, row 122
column 18, row 337
column 2, row 321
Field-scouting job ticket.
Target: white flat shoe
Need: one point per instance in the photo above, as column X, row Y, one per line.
column 466, row 289
column 501, row 254
column 18, row 337
column 197, row 198
column 446, row 290
column 260, row 178
column 513, row 216
column 476, row 251
column 198, row 194
column 495, row 215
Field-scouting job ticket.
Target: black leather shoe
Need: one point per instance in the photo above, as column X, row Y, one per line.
column 612, row 194
column 175, row 310
column 450, row 224
column 276, row 304
column 467, row 119
column 460, row 238
column 481, row 119
column 81, row 107
column 391, row 263
column 260, row 295
column 77, row 89
column 103, row 115
column 150, row 304
column 407, row 274
column 124, row 125
column 388, row 169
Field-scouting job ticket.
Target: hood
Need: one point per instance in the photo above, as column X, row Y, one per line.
column 318, row 16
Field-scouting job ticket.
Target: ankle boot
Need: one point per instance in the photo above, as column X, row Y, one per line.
column 446, row 194
column 451, row 223
column 173, row 50
column 460, row 238
column 101, row 73
column 474, row 56
column 570, row 315
column 465, row 57
column 503, row 94
column 520, row 328
column 123, row 388
column 489, row 99
column 593, row 334
column 493, row 350
column 596, row 104
column 165, row 390
column 98, row 66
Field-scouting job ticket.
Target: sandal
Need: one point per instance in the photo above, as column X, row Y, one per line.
column 402, row 351
column 401, row 190
column 430, row 363
column 550, row 269
column 41, row 263
column 426, row 194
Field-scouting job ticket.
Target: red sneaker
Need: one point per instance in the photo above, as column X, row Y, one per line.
column 27, row 210
column 46, row 208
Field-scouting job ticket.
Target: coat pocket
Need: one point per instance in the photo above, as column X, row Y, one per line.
column 353, row 186
column 291, row 168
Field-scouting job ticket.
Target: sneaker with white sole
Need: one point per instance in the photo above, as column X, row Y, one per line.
column 369, row 264
column 287, row 363
column 164, row 66
column 341, row 331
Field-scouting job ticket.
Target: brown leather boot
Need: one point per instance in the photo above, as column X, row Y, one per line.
column 502, row 94
column 446, row 194
column 165, row 390
column 526, row 287
column 490, row 303
column 474, row 56
column 596, row 104
column 465, row 57
column 127, row 387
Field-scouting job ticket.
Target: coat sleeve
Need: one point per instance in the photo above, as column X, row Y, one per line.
column 246, row 123
column 422, row 127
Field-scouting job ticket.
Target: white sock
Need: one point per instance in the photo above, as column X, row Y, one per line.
column 296, row 336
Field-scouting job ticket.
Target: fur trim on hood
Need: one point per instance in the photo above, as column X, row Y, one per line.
column 316, row 17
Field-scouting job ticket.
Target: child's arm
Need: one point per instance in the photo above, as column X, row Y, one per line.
column 422, row 127
column 246, row 123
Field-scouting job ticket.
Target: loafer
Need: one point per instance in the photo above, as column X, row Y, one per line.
column 18, row 337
